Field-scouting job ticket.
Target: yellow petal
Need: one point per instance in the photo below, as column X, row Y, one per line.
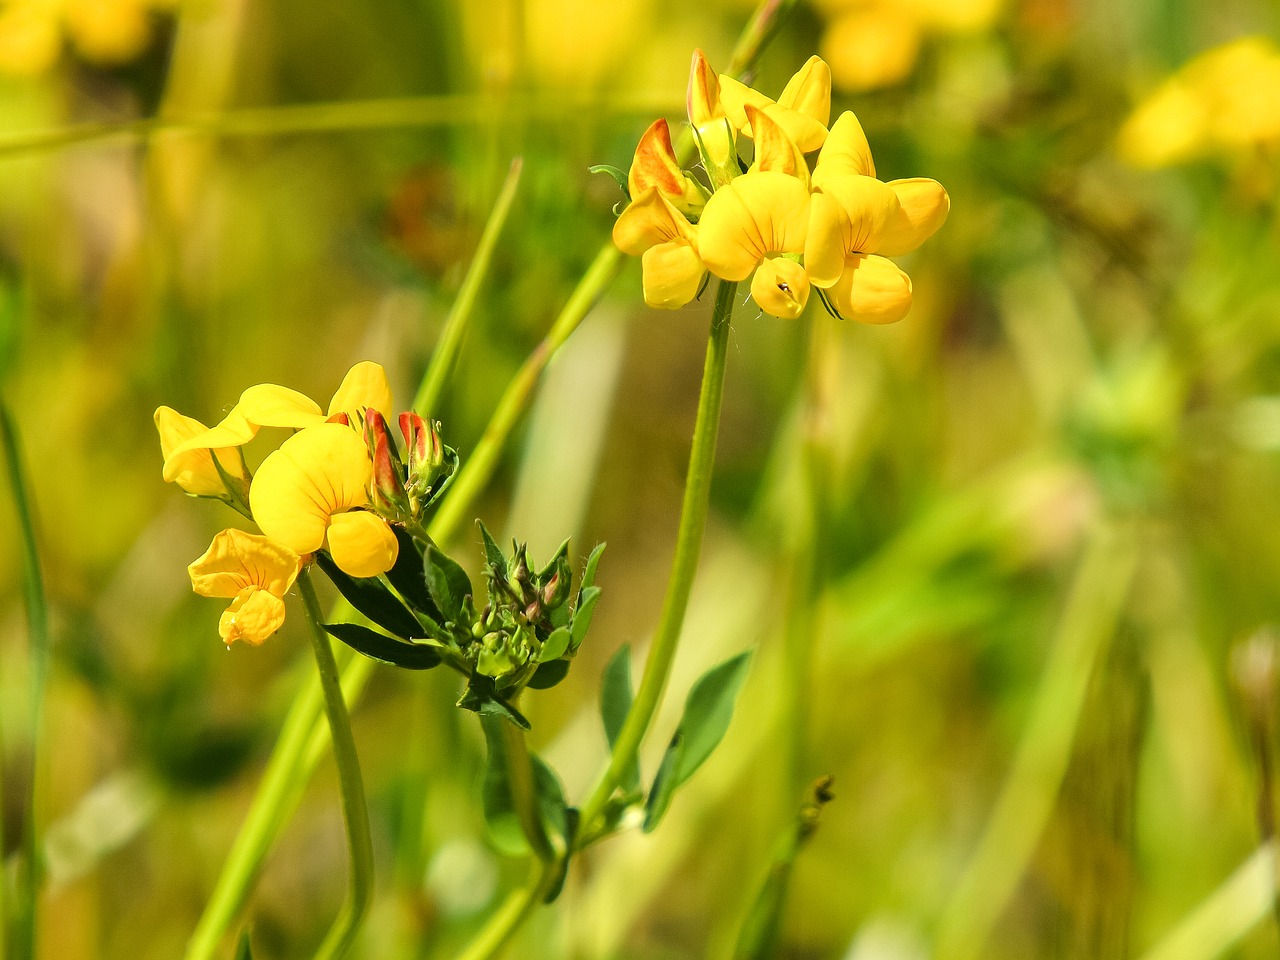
column 655, row 165
column 780, row 287
column 774, row 149
column 749, row 218
column 703, row 97
column 803, row 118
column 236, row 560
column 714, row 133
column 734, row 97
column 362, row 544
column 271, row 405
column 193, row 469
column 233, row 431
column 650, row 219
column 872, row 290
column 853, row 216
column 923, row 205
column 809, row 91
column 846, row 151
column 673, row 272
column 364, row 387
column 253, row 616
column 316, row 473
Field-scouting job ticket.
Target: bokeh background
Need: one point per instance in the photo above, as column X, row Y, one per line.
column 1049, row 550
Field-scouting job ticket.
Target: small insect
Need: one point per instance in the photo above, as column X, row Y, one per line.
column 784, row 286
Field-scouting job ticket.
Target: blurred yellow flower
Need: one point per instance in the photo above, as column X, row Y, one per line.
column 1224, row 100
column 99, row 31
column 193, row 469
column 308, row 494
column 875, row 43
column 255, row 573
column 653, row 229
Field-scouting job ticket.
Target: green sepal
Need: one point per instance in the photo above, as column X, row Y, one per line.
column 371, row 597
column 493, row 554
column 437, row 490
column 589, row 571
column 406, row 576
column 447, row 583
column 707, row 713
column 554, row 647
column 617, row 174
column 481, row 697
column 379, row 646
column 615, row 704
column 549, row 674
column 581, row 621
column 244, row 949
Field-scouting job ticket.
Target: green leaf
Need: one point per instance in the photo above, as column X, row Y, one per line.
column 447, row 582
column 481, row 697
column 707, row 713
column 244, row 949
column 498, row 803
column 379, row 646
column 493, row 554
column 406, row 576
column 571, row 822
column 548, row 674
column 614, row 172
column 589, row 571
column 615, row 704
column 581, row 621
column 555, row 645
column 551, row 803
column 371, row 597
column 562, row 552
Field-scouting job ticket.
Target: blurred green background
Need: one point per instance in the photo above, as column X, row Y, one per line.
column 1048, row 534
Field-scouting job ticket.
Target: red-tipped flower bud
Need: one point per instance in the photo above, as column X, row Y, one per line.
column 424, row 452
column 388, row 493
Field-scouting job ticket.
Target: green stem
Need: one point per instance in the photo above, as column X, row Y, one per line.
column 355, row 811
column 1040, row 762
column 28, row 885
column 517, row 908
column 693, row 520
column 455, row 325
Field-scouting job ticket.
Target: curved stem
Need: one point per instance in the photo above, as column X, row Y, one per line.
column 355, row 811
column 693, row 520
column 497, row 933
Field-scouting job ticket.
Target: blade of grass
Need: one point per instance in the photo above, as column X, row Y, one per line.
column 1040, row 761
column 27, row 887
column 1242, row 902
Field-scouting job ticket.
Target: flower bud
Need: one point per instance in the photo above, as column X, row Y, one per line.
column 388, row 493
column 555, row 590
column 424, row 451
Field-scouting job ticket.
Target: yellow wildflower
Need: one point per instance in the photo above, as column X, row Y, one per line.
column 802, row 110
column 255, row 573
column 654, row 230
column 711, row 127
column 854, row 217
column 655, row 165
column 755, row 225
column 193, row 469
column 309, row 494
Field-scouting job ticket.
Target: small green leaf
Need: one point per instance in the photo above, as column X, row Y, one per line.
column 551, row 802
column 481, row 697
column 371, row 597
column 406, row 576
column 244, row 949
column 589, row 571
column 562, row 552
column 707, row 713
column 379, row 646
column 614, row 172
column 555, row 645
column 495, row 798
column 571, row 823
column 492, row 553
column 615, row 704
column 447, row 582
column 548, row 674
column 581, row 621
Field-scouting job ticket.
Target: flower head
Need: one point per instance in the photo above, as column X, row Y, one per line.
column 255, row 573
column 309, row 493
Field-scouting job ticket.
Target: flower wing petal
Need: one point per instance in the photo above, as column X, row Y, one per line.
column 192, row 469
column 923, row 206
column 872, row 290
column 845, row 152
column 364, row 387
column 253, row 616
column 750, row 217
column 672, row 274
column 780, row 287
column 809, row 91
column 271, row 405
column 362, row 544
column 649, row 220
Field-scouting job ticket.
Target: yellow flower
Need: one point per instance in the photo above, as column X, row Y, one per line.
column 654, row 230
column 29, row 38
column 855, row 216
column 655, row 165
column 1226, row 99
column 755, row 225
column 255, row 573
column 193, row 469
column 308, row 494
column 802, row 110
column 711, row 126
column 270, row 405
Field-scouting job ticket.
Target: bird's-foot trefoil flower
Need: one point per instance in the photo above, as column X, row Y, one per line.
column 195, row 470
column 654, row 230
column 802, row 110
column 254, row 573
column 655, row 165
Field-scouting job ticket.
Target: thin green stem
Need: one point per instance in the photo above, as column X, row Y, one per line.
column 455, row 325
column 355, row 811
column 693, row 520
column 28, row 886
column 515, row 910
column 1040, row 762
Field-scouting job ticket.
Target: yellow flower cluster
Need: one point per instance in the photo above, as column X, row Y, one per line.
column 875, row 43
column 100, row 31
column 1225, row 100
column 314, row 492
column 786, row 228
